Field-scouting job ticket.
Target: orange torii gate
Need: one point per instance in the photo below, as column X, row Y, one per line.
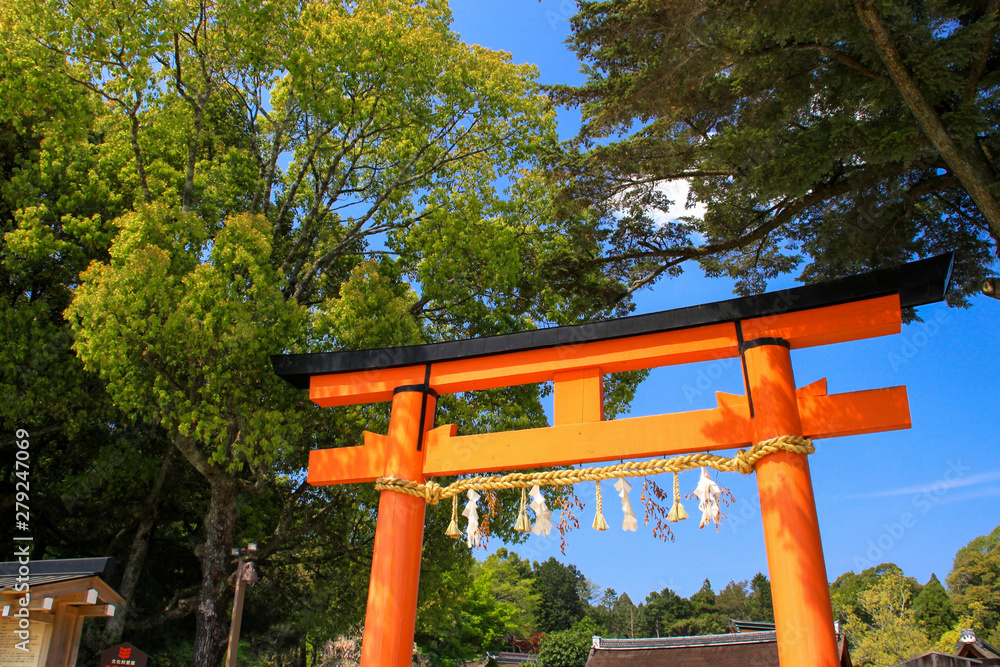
column 761, row 330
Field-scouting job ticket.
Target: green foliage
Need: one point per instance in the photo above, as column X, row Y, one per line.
column 624, row 618
column 661, row 611
column 705, row 618
column 512, row 587
column 760, row 607
column 846, row 591
column 974, row 583
column 180, row 325
column 601, row 612
column 559, row 589
column 799, row 140
column 479, row 606
column 888, row 633
column 933, row 609
column 949, row 639
column 197, row 187
column 568, row 648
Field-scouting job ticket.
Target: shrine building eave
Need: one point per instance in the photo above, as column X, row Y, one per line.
column 917, row 283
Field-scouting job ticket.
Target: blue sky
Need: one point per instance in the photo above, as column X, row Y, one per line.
column 910, row 497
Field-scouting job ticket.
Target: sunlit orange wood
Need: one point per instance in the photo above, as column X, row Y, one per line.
column 569, row 444
column 803, row 615
column 683, row 346
column 349, row 465
column 578, row 396
column 854, row 413
column 819, row 326
column 817, row 388
column 391, row 614
column 832, row 324
column 357, row 387
column 725, row 427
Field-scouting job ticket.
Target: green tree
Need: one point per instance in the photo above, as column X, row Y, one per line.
column 512, row 587
column 478, row 620
column 704, row 618
column 259, row 178
column 892, row 634
column 846, row 136
column 101, row 479
column 761, row 608
column 846, row 591
column 558, row 587
column 624, row 618
column 933, row 609
column 974, row 582
column 568, row 648
column 601, row 612
column 661, row 611
column 948, row 642
column 734, row 601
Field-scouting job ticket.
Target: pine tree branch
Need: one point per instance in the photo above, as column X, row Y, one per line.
column 975, row 178
column 786, row 211
column 978, row 68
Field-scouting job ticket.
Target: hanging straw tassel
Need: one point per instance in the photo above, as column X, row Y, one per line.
column 677, row 512
column 453, row 532
column 523, row 524
column 599, row 522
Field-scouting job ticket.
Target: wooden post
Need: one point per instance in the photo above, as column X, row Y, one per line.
column 233, row 648
column 802, row 612
column 391, row 615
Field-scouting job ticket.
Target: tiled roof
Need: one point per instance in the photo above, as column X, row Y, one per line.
column 603, row 643
column 750, row 626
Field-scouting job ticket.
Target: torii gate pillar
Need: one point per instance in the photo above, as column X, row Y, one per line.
column 391, row 616
column 803, row 616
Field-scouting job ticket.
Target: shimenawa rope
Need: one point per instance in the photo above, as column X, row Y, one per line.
column 743, row 462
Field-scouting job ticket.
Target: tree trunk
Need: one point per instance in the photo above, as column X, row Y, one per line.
column 968, row 167
column 137, row 554
column 211, row 617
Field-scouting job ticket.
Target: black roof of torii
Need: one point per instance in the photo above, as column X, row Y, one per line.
column 917, row 283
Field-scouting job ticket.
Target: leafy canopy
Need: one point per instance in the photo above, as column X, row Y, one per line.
column 843, row 136
column 892, row 634
column 974, row 582
column 200, row 185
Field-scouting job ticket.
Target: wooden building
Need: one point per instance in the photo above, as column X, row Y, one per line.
column 937, row 659
column 61, row 594
column 970, row 651
column 970, row 646
column 758, row 647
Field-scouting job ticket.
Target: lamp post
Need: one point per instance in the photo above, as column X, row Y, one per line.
column 246, row 575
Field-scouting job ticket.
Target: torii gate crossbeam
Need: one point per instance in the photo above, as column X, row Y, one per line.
column 761, row 330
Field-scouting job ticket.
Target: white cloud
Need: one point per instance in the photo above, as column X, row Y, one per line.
column 946, row 483
column 677, row 192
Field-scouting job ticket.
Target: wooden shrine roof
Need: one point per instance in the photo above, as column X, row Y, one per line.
column 56, row 570
column 727, row 650
column 916, row 283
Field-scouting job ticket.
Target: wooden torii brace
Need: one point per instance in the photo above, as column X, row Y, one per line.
column 761, row 330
